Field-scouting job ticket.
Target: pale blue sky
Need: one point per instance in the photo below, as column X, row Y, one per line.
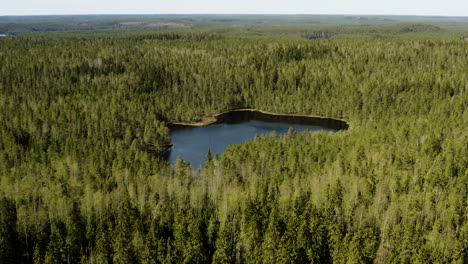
column 396, row 7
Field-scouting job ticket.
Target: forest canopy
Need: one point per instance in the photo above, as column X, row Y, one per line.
column 84, row 116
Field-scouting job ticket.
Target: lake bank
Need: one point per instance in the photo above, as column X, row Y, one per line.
column 192, row 141
column 207, row 120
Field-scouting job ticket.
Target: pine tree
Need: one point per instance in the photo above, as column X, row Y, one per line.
column 224, row 253
column 9, row 246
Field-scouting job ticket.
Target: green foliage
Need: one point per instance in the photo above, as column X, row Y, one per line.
column 8, row 233
column 83, row 120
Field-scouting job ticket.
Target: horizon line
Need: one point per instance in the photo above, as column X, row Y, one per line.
column 234, row 14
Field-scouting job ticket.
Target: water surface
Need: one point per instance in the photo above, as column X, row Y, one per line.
column 193, row 142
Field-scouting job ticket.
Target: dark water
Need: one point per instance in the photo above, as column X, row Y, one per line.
column 192, row 143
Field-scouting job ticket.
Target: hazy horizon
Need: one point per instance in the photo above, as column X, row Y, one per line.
column 448, row 8
column 232, row 14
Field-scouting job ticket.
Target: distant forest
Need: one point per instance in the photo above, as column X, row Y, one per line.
column 345, row 26
column 84, row 115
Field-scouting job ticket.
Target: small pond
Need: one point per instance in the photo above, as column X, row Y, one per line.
column 236, row 127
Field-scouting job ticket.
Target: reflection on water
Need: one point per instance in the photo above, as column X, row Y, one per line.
column 192, row 143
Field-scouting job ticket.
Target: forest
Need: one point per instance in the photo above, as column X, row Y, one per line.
column 84, row 116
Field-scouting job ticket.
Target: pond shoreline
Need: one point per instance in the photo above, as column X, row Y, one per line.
column 191, row 140
column 207, row 120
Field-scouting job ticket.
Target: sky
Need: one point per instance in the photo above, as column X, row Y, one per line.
column 361, row 7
